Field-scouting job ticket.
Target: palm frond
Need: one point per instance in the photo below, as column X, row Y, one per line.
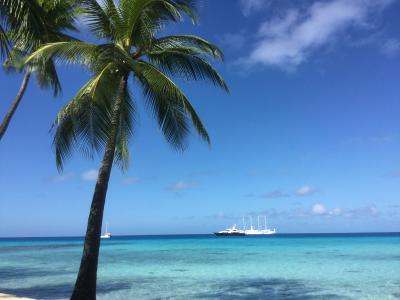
column 37, row 22
column 46, row 75
column 143, row 18
column 15, row 60
column 84, row 123
column 189, row 7
column 203, row 46
column 4, row 42
column 180, row 63
column 125, row 131
column 97, row 20
column 61, row 15
column 169, row 104
column 25, row 18
column 82, row 53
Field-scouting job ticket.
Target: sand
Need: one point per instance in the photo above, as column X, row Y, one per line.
column 12, row 297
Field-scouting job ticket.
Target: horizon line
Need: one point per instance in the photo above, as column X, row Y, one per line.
column 202, row 234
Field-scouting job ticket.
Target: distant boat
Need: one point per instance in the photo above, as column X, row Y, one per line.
column 107, row 234
column 233, row 231
column 258, row 231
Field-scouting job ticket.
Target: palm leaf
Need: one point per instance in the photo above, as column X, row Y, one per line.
column 84, row 122
column 125, row 131
column 97, row 20
column 4, row 42
column 188, row 41
column 46, row 75
column 169, row 104
column 186, row 65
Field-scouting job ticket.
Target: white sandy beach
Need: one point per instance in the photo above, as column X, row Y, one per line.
column 12, row 297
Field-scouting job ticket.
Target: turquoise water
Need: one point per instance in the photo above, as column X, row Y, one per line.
column 207, row 267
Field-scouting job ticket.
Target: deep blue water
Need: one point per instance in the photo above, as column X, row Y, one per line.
column 292, row 266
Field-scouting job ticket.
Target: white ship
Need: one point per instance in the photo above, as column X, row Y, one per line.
column 233, row 231
column 107, row 234
column 259, row 230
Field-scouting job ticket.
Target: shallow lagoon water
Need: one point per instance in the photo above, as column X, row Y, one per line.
column 334, row 266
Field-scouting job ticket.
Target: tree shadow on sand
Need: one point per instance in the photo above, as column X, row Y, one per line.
column 245, row 289
column 266, row 289
column 62, row 291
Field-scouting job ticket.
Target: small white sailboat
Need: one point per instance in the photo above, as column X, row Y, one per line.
column 107, row 234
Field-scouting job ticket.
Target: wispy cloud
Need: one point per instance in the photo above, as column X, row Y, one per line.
column 251, row 6
column 376, row 139
column 179, row 186
column 383, row 139
column 233, row 41
column 391, row 47
column 393, row 174
column 204, row 173
column 319, row 209
column 61, row 177
column 130, row 180
column 89, row 175
column 306, row 190
column 275, row 194
column 289, row 40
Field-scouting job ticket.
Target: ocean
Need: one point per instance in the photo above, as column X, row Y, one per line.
column 292, row 266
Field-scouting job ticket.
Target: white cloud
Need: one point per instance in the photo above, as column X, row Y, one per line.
column 391, row 47
column 90, row 175
column 306, row 190
column 319, row 209
column 250, row 6
column 288, row 41
column 180, row 186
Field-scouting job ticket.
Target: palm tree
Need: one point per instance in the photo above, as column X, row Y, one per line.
column 26, row 25
column 100, row 118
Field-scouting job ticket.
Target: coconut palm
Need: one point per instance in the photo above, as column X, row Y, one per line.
column 26, row 25
column 100, row 118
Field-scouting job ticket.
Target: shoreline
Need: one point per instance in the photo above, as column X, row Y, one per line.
column 12, row 297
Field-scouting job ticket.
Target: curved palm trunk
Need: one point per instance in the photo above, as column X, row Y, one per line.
column 85, row 286
column 14, row 106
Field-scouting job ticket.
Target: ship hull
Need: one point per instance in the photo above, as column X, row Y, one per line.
column 229, row 234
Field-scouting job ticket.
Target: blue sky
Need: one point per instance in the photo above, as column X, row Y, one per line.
column 309, row 135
